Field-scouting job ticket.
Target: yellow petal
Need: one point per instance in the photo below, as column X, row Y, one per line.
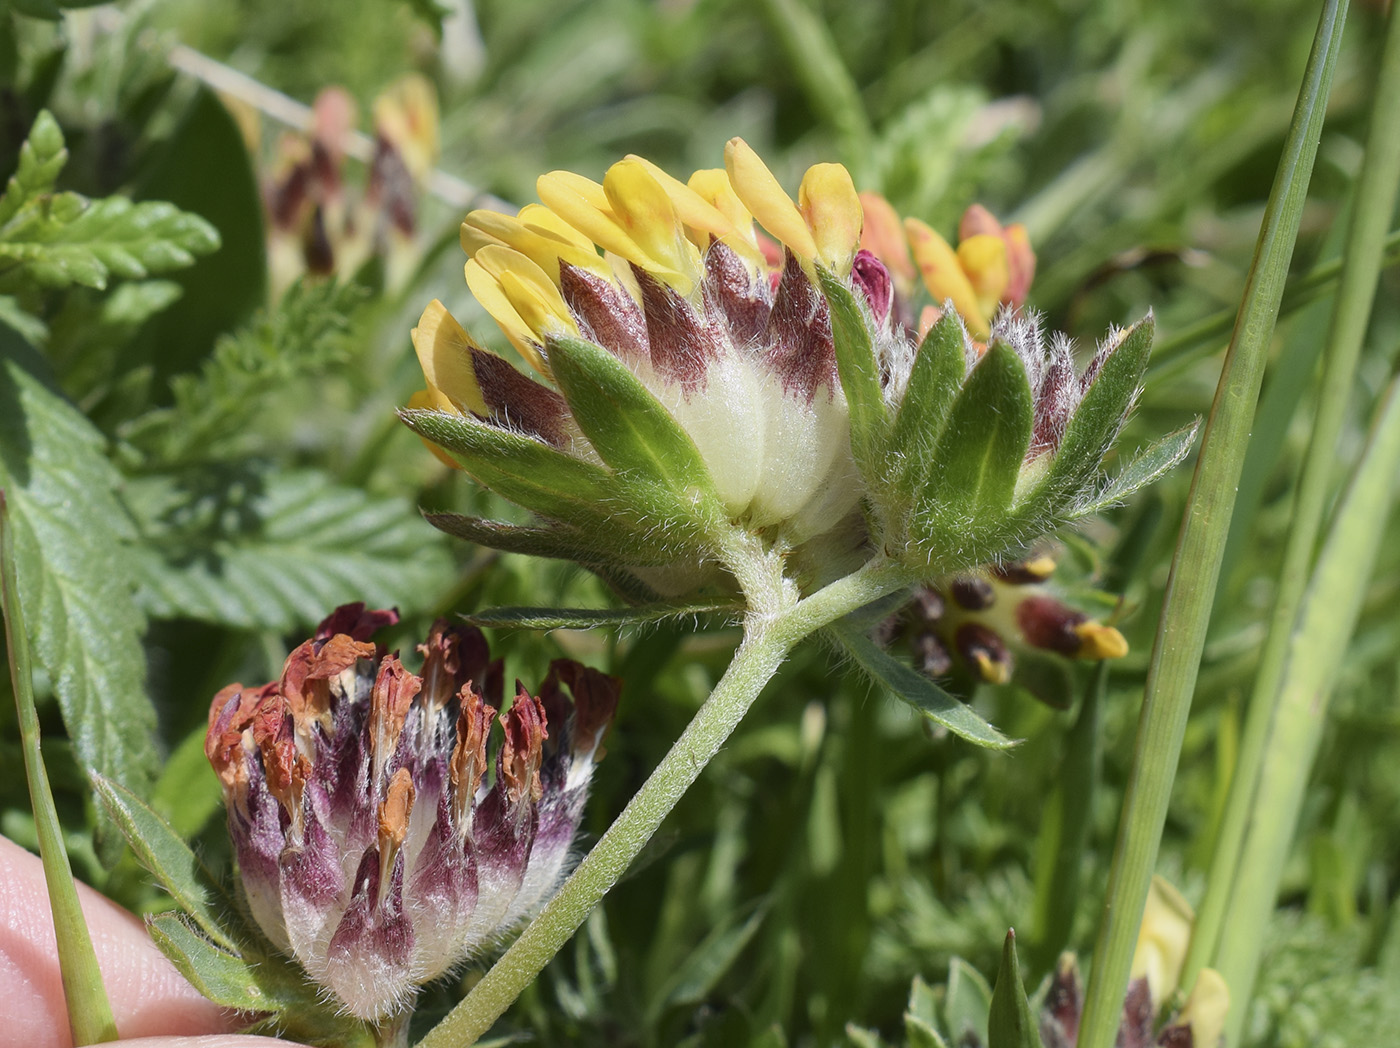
column 407, row 116
column 542, row 247
column 486, row 289
column 692, row 209
column 583, row 204
column 983, row 259
column 435, row 400
column 760, row 192
column 712, row 185
column 829, row 204
column 943, row 276
column 444, row 351
column 539, row 217
column 642, row 207
column 1097, row 641
column 534, row 297
column 1206, row 1008
column 1162, row 940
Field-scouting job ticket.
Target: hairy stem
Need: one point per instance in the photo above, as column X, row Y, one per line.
column 770, row 632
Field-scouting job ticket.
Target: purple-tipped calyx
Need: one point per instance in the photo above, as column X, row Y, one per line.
column 381, row 836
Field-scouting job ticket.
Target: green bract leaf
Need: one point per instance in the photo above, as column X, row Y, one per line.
column 860, row 374
column 75, row 571
column 977, row 460
column 551, row 540
column 279, row 550
column 592, row 618
column 169, row 859
column 520, row 468
column 222, row 975
column 939, row 368
column 967, row 1002
column 1095, row 424
column 918, row 691
column 1146, row 466
column 628, row 426
column 1011, row 1024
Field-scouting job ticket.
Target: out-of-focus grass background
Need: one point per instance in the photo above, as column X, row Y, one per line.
column 834, row 850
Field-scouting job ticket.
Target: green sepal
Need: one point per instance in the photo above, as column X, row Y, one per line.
column 1145, row 467
column 921, row 1017
column 978, row 459
column 1095, row 424
column 1011, row 1023
column 550, row 482
column 629, row 428
column 940, row 365
column 967, row 1001
column 926, row 697
column 171, row 862
column 556, row 541
column 592, row 618
column 223, row 976
column 860, row 374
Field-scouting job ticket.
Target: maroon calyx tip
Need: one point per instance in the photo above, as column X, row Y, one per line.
column 873, row 280
column 355, row 621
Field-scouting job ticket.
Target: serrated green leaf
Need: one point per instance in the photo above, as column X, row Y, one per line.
column 41, row 158
column 979, row 456
column 75, row 573
column 592, row 618
column 859, row 372
column 1096, row 421
column 278, row 551
column 967, row 1002
column 926, row 697
column 64, row 240
column 1010, row 1023
column 940, row 366
column 1146, row 466
column 169, row 859
column 629, row 428
column 551, row 540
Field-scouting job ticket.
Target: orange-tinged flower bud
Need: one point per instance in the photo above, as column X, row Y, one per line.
column 943, row 275
column 882, row 234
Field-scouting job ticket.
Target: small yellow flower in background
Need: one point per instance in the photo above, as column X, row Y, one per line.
column 1163, row 939
column 992, row 267
column 316, row 224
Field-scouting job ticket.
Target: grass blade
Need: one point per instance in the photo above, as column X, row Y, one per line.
column 1171, row 677
column 1375, row 199
column 89, row 1012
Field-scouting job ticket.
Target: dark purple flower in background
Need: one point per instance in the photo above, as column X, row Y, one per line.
column 381, row 836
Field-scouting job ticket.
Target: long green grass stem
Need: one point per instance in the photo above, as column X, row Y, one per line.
column 1375, row 201
column 89, row 1013
column 1176, row 654
column 1316, row 651
column 769, row 634
column 1174, row 354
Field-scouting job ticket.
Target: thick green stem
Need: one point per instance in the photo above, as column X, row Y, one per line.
column 89, row 1013
column 1375, row 199
column 769, row 634
column 1316, row 650
column 1171, row 675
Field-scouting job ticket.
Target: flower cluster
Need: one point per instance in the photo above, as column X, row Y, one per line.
column 992, row 622
column 316, row 224
column 1154, row 980
column 698, row 378
column 380, row 837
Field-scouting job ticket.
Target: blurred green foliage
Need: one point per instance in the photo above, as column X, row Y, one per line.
column 237, row 470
